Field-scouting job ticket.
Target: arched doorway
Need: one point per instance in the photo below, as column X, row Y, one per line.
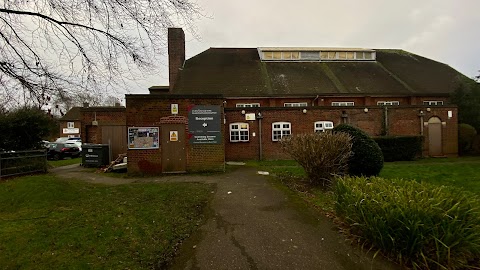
column 435, row 136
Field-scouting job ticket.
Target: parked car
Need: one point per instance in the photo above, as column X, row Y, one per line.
column 77, row 141
column 58, row 151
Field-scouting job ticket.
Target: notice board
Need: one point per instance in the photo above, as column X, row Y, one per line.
column 143, row 137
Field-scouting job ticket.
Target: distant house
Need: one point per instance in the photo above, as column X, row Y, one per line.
column 97, row 125
column 70, row 123
column 270, row 92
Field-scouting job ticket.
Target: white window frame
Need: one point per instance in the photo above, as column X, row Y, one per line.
column 388, row 103
column 284, row 128
column 236, row 130
column 247, row 105
column 433, row 102
column 70, row 124
column 295, row 104
column 321, row 126
column 343, row 103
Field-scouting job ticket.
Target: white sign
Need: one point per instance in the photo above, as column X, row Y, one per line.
column 174, row 108
column 71, row 130
column 250, row 116
column 173, row 136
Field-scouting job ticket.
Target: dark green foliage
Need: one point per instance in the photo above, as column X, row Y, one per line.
column 422, row 225
column 367, row 158
column 466, row 133
column 467, row 98
column 24, row 129
column 400, row 148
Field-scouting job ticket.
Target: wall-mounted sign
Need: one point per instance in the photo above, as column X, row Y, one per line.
column 71, row 130
column 143, row 138
column 250, row 116
column 174, row 108
column 204, row 124
column 173, row 135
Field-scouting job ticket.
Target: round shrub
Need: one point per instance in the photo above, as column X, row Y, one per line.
column 367, row 158
column 466, row 133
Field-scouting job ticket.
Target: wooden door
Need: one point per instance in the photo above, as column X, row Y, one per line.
column 173, row 148
column 116, row 137
column 435, row 136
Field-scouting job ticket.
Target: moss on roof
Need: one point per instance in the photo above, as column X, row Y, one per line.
column 72, row 115
column 237, row 72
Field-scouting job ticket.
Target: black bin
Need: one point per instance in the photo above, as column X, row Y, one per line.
column 95, row 155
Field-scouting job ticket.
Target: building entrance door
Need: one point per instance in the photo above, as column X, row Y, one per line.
column 435, row 137
column 173, row 148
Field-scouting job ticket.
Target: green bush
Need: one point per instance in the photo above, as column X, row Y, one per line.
column 322, row 155
column 422, row 225
column 466, row 133
column 367, row 158
column 400, row 147
column 476, row 145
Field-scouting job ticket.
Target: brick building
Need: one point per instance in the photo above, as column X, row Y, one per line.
column 98, row 125
column 267, row 93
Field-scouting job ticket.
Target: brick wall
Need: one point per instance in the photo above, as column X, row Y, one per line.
column 155, row 111
column 401, row 121
column 176, row 53
column 105, row 116
column 64, row 124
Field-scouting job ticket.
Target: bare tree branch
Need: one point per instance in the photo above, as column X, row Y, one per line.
column 59, row 49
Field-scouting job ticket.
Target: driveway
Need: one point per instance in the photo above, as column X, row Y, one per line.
column 252, row 225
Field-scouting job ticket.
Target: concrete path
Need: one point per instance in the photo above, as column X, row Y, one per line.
column 254, row 226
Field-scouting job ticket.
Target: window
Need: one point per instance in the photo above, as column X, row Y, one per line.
column 385, row 103
column 247, row 105
column 295, row 104
column 435, row 102
column 268, row 55
column 70, row 124
column 310, row 55
column 321, row 126
column 239, row 132
column 343, row 103
column 280, row 129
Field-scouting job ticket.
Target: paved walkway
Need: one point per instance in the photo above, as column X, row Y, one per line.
column 254, row 226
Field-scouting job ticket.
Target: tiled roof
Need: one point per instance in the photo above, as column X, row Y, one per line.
column 236, row 72
column 72, row 115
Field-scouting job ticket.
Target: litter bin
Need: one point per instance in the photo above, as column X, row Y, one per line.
column 95, row 155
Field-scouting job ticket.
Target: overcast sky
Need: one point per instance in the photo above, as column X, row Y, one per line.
column 447, row 31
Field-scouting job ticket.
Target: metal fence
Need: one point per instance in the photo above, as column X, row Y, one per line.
column 22, row 162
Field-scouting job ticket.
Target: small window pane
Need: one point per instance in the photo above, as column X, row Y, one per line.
column 359, row 55
column 277, row 55
column 342, row 55
column 287, row 55
column 368, row 55
column 350, row 55
column 324, row 55
column 332, row 55
column 310, row 55
column 295, row 55
column 268, row 55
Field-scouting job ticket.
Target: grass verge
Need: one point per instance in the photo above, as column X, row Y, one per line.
column 63, row 162
column 47, row 223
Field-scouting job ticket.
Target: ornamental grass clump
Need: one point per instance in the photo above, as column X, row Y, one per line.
column 322, row 155
column 422, row 225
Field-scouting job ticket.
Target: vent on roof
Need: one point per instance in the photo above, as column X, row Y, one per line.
column 316, row 54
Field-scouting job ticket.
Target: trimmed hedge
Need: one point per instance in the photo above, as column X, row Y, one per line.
column 466, row 134
column 422, row 225
column 400, row 148
column 367, row 157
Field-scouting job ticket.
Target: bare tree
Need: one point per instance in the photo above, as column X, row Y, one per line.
column 59, row 48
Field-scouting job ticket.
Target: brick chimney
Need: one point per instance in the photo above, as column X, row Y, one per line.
column 176, row 53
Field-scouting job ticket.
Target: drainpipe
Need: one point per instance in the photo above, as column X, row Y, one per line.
column 421, row 114
column 260, row 152
column 385, row 118
column 313, row 101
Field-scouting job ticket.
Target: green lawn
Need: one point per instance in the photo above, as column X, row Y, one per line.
column 47, row 223
column 463, row 172
column 64, row 162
